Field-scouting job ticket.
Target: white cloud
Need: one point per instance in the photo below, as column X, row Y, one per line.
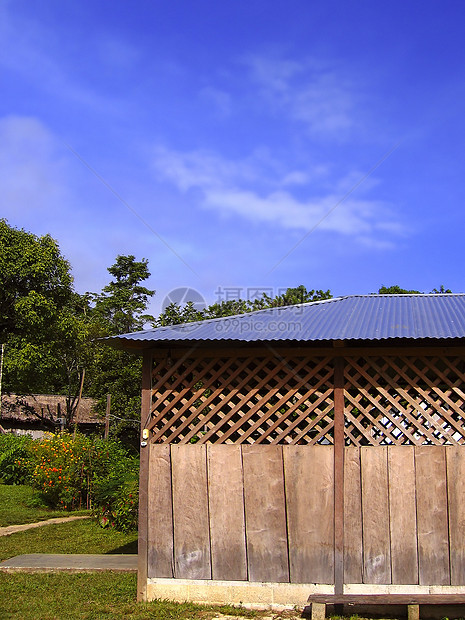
column 287, row 201
column 320, row 97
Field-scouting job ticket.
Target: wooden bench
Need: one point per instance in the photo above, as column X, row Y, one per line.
column 413, row 601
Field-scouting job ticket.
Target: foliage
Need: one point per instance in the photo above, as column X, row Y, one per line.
column 397, row 290
column 120, row 308
column 35, row 284
column 35, row 281
column 122, row 303
column 175, row 314
column 118, row 373
column 441, row 290
column 69, row 468
column 43, row 322
column 118, row 501
column 15, row 458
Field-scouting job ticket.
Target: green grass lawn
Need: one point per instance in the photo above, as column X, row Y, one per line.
column 17, row 507
column 60, row 596
column 74, row 537
column 57, row 596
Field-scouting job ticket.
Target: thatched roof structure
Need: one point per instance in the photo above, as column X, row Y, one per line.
column 44, row 410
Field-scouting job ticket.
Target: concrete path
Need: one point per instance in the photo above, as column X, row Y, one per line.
column 12, row 529
column 48, row 562
column 76, row 563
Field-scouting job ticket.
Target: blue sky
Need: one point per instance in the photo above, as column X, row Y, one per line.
column 239, row 144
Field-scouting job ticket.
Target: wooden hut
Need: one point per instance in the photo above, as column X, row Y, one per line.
column 307, row 453
column 36, row 414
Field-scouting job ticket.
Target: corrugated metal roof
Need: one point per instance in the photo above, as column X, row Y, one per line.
column 355, row 317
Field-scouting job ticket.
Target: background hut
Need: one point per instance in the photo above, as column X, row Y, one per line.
column 36, row 414
column 312, row 449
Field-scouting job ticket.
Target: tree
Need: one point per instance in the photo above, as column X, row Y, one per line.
column 441, row 290
column 120, row 308
column 42, row 319
column 175, row 314
column 396, row 290
column 35, row 281
column 122, row 303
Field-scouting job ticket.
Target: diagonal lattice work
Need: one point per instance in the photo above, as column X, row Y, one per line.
column 405, row 400
column 289, row 399
column 251, row 399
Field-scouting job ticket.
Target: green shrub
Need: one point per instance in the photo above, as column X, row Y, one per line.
column 68, row 469
column 15, row 458
column 117, row 501
column 75, row 471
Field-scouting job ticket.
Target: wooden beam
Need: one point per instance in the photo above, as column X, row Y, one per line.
column 338, row 475
column 144, row 480
column 400, row 349
column 387, row 599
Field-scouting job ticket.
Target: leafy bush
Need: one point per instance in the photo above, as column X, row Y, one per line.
column 15, row 458
column 75, row 471
column 69, row 468
column 118, row 500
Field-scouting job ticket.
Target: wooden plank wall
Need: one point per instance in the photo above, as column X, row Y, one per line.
column 404, row 515
column 266, row 513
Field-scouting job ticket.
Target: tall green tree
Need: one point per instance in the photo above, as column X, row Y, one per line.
column 42, row 320
column 120, row 308
column 122, row 303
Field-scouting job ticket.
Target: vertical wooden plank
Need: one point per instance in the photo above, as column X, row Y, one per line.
column 226, row 505
column 353, row 552
column 339, row 422
column 403, row 518
column 190, row 512
column 309, row 479
column 265, row 514
column 433, row 531
column 455, row 460
column 375, row 514
column 160, row 513
column 142, row 558
column 107, row 417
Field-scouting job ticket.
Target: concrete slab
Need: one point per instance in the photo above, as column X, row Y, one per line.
column 47, row 562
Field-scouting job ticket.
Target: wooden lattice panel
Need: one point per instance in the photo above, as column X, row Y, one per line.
column 404, row 400
column 267, row 399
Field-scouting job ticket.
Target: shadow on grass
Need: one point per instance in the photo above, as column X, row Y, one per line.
column 127, row 548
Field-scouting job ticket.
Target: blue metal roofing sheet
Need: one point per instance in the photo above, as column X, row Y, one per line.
column 356, row 317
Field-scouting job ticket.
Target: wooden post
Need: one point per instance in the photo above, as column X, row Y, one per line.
column 142, row 565
column 76, row 411
column 318, row 611
column 2, row 430
column 338, row 475
column 413, row 612
column 107, row 417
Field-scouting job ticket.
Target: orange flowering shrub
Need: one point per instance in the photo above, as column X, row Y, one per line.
column 69, row 468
